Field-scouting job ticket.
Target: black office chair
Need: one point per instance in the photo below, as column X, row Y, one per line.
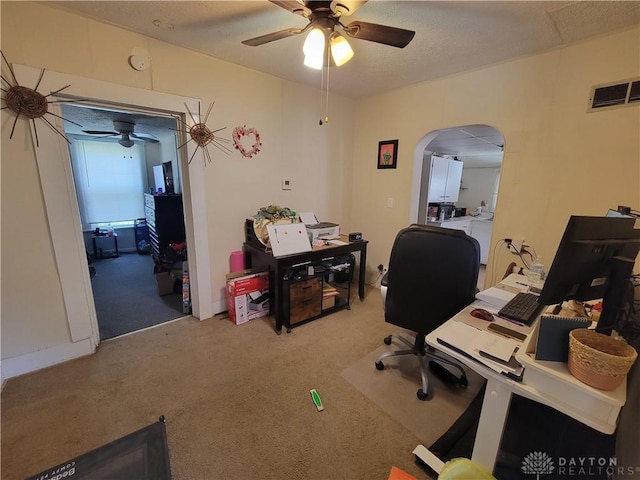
column 432, row 275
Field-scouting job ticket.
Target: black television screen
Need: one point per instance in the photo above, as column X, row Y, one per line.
column 594, row 260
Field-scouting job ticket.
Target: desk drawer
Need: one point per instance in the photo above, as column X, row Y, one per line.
column 305, row 299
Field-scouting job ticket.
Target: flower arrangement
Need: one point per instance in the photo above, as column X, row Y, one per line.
column 269, row 215
column 240, row 132
column 274, row 213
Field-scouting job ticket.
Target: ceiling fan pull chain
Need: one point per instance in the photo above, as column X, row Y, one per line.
column 321, row 94
column 326, row 112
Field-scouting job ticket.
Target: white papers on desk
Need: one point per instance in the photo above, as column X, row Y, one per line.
column 500, row 295
column 308, row 218
column 516, row 281
column 471, row 341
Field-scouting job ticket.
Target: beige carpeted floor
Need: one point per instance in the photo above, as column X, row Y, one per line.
column 236, row 400
column 394, row 390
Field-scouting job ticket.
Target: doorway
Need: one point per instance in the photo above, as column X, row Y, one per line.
column 61, row 207
column 112, row 169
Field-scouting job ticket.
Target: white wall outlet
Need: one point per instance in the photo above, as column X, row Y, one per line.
column 286, row 184
column 390, row 202
column 517, row 245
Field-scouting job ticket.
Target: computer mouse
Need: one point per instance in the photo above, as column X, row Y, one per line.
column 482, row 314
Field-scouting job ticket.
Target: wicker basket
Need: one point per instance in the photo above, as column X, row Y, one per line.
column 599, row 360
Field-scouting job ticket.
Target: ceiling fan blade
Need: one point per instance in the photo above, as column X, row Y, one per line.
column 270, row 37
column 396, row 37
column 346, row 7
column 146, row 138
column 100, row 132
column 293, row 6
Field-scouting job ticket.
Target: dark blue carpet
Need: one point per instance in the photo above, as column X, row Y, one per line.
column 126, row 295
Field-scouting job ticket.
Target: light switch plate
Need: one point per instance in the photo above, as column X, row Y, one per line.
column 286, row 184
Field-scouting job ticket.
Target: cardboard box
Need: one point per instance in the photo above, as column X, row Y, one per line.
column 165, row 283
column 247, row 295
column 328, row 302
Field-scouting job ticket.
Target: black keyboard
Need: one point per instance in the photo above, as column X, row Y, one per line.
column 523, row 308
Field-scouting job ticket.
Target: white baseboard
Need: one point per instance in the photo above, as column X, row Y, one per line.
column 219, row 307
column 30, row 362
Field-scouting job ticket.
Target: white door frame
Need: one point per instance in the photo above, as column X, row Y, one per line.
column 61, row 205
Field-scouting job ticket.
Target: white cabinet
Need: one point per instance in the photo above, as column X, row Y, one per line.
column 444, row 180
column 462, row 224
column 481, row 231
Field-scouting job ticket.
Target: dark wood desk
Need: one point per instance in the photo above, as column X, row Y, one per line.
column 258, row 257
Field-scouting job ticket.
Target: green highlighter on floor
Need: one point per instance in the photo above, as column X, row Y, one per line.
column 316, row 399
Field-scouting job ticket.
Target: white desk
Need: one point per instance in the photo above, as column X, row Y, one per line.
column 549, row 383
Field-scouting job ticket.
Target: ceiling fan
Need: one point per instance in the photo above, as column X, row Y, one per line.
column 125, row 130
column 326, row 16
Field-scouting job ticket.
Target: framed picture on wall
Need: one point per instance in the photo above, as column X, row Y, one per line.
column 388, row 154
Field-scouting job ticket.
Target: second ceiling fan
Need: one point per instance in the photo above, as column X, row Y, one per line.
column 125, row 130
column 324, row 17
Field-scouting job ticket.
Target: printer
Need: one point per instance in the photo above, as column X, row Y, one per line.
column 319, row 230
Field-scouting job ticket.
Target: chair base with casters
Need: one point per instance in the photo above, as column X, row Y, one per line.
column 423, row 352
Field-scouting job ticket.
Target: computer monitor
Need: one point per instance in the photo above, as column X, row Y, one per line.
column 595, row 259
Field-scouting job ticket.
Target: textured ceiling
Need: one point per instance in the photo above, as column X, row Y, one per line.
column 451, row 36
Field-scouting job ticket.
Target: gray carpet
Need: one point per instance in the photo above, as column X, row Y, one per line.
column 126, row 296
column 394, row 391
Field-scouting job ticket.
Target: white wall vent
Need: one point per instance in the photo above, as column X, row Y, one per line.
column 614, row 95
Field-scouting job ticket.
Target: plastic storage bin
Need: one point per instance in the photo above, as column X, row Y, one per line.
column 141, row 232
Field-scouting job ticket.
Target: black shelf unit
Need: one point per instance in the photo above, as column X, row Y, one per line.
column 259, row 256
column 165, row 220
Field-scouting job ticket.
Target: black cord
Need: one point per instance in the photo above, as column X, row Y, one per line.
column 530, row 254
column 628, row 322
column 509, row 244
column 493, row 266
column 534, row 250
column 377, row 278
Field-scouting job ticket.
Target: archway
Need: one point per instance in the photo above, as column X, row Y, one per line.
column 480, row 148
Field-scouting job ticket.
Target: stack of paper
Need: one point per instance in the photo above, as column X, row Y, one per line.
column 498, row 297
column 494, row 351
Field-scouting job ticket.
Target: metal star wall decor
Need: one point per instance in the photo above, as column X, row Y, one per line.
column 28, row 102
column 203, row 136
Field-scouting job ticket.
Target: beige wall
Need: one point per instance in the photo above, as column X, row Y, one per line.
column 558, row 159
column 294, row 146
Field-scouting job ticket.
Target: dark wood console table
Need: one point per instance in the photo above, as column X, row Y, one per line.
column 258, row 257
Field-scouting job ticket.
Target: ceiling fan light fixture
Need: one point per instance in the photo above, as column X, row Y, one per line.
column 125, row 141
column 313, row 49
column 313, row 62
column 341, row 51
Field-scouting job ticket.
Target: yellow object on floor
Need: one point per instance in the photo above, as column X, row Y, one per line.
column 464, row 469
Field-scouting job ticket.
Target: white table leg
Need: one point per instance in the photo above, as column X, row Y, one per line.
column 493, row 416
column 428, row 458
